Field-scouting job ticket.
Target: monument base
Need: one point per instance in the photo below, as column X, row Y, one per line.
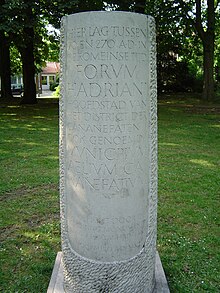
column 56, row 281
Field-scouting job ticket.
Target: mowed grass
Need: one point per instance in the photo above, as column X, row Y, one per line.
column 189, row 195
column 189, row 191
column 30, row 229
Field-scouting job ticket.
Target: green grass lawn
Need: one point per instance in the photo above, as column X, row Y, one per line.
column 189, row 195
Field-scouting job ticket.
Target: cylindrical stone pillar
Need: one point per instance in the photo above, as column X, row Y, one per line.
column 108, row 152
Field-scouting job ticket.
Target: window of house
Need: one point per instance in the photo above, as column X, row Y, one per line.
column 13, row 79
column 44, row 80
column 51, row 79
column 20, row 79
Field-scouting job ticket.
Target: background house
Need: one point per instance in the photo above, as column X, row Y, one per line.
column 43, row 80
column 48, row 74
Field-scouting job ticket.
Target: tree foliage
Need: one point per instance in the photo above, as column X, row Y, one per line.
column 23, row 22
column 187, row 36
column 188, row 29
column 202, row 16
column 5, row 69
column 188, row 41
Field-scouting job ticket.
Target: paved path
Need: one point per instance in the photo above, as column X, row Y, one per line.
column 45, row 94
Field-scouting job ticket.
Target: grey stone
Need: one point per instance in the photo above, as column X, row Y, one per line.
column 108, row 152
column 56, row 282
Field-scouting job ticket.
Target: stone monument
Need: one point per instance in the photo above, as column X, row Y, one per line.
column 108, row 152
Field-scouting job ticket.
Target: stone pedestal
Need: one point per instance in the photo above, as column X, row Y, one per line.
column 108, row 152
column 56, row 282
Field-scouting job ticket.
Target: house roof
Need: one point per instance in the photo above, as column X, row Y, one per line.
column 51, row 68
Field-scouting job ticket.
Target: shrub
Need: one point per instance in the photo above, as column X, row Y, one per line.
column 53, row 86
column 57, row 92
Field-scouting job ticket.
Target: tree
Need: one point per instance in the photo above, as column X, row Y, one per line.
column 21, row 22
column 203, row 20
column 128, row 5
column 5, row 72
column 170, row 39
column 24, row 25
column 27, row 55
column 139, row 6
column 18, row 23
column 53, row 13
column 189, row 23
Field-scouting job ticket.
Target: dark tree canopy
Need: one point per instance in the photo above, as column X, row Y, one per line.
column 204, row 22
column 187, row 36
column 22, row 23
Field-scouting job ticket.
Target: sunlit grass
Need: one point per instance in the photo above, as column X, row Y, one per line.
column 204, row 163
column 30, row 229
column 189, row 196
column 188, row 209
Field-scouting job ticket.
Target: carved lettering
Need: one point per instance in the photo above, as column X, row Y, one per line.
column 91, row 71
column 106, row 89
column 103, row 184
column 105, row 31
column 105, row 132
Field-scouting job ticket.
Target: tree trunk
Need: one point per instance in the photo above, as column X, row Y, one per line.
column 27, row 56
column 207, row 35
column 208, row 53
column 140, row 6
column 208, row 66
column 5, row 67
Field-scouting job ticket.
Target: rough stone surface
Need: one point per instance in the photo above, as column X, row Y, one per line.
column 56, row 282
column 108, row 152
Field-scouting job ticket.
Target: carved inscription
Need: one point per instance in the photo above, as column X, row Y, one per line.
column 106, row 133
column 113, row 43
